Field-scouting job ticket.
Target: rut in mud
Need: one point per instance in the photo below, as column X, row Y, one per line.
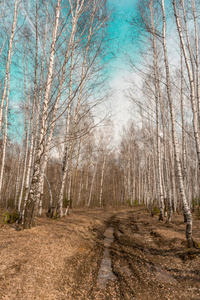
column 100, row 254
column 105, row 272
column 134, row 260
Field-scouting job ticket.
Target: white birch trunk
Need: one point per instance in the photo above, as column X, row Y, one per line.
column 197, row 57
column 80, row 188
column 191, row 79
column 161, row 198
column 8, row 63
column 92, row 184
column 53, row 123
column 19, row 171
column 24, row 171
column 102, row 178
column 5, row 136
column 34, row 129
column 66, row 156
column 60, row 199
column 174, row 138
column 31, row 205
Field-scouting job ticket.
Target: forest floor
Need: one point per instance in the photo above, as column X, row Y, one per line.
column 100, row 254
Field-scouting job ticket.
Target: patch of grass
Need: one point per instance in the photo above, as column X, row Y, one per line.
column 156, row 210
column 10, row 217
column 66, row 202
column 128, row 201
column 6, row 218
column 56, row 216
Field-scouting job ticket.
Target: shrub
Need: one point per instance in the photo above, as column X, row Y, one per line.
column 128, row 201
column 15, row 216
column 11, row 217
column 55, row 216
column 66, row 202
column 136, row 202
column 6, row 218
column 156, row 210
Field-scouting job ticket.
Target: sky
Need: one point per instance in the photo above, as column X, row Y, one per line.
column 120, row 73
column 118, row 69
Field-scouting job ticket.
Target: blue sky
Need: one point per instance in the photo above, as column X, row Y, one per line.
column 120, row 74
column 119, row 69
column 119, row 27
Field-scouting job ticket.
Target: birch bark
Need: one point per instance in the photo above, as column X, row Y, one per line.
column 156, row 79
column 66, row 156
column 102, row 178
column 174, row 138
column 92, row 184
column 31, row 205
column 190, row 76
column 9, row 60
column 5, row 136
column 197, row 56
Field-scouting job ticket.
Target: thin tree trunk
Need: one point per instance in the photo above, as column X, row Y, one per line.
column 161, row 198
column 4, row 136
column 31, row 205
column 197, row 57
column 102, row 178
column 66, row 157
column 80, row 188
column 19, row 171
column 34, row 129
column 50, row 194
column 92, row 184
column 174, row 138
column 9, row 60
column 191, row 79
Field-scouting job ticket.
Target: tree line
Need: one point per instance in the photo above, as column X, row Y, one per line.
column 166, row 93
column 54, row 57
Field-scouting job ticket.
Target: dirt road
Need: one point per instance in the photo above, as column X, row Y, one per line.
column 98, row 254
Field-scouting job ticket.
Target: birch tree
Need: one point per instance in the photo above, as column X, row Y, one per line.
column 174, row 138
column 32, row 201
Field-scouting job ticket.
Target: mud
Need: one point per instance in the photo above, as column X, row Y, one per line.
column 97, row 254
column 105, row 272
column 149, row 260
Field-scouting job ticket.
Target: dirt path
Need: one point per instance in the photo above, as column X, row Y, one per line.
column 100, row 254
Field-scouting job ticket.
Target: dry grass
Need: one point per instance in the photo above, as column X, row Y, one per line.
column 31, row 261
column 39, row 263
